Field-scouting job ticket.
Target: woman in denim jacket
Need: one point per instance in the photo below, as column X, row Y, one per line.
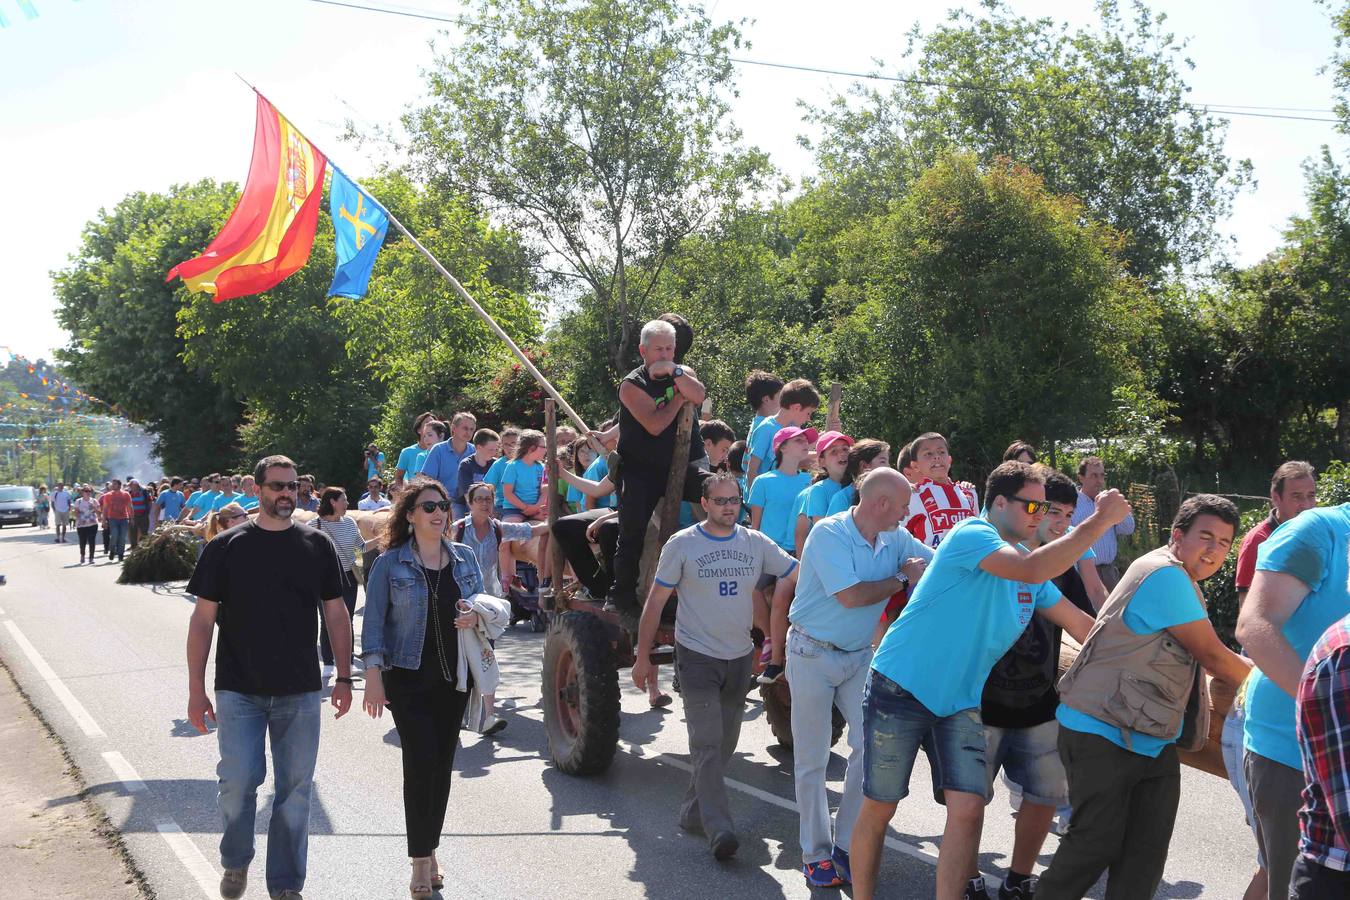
column 424, row 605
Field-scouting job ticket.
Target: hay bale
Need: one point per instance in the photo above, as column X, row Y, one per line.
column 169, row 554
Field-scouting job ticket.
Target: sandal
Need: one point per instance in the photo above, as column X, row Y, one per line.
column 437, row 876
column 659, row 701
column 420, row 886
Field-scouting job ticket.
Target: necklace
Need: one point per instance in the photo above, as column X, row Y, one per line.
column 433, row 602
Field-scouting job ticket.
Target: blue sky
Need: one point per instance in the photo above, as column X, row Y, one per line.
column 105, row 97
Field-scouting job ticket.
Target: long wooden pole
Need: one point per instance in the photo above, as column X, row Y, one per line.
column 554, row 499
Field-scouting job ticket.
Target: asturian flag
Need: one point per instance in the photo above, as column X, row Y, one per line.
column 360, row 224
column 271, row 231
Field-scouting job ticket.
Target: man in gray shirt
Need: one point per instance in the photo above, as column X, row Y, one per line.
column 714, row 565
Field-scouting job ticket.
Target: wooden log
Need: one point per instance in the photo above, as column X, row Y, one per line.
column 1208, row 758
column 556, row 561
column 833, row 420
column 670, row 506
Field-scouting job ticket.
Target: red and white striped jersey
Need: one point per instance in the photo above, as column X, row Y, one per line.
column 934, row 509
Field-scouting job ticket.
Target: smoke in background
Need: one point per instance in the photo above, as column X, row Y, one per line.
column 132, row 456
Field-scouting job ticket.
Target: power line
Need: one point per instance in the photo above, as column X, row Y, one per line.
column 1222, row 110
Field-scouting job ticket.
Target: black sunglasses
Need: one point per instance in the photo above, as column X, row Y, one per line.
column 280, row 486
column 430, row 506
column 724, row 501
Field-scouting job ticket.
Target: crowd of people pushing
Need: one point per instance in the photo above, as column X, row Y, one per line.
column 928, row 613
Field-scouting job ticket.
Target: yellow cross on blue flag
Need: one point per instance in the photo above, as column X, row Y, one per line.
column 360, row 225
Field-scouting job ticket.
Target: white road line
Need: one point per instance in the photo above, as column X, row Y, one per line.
column 181, row 845
column 124, row 771
column 188, row 854
column 73, row 706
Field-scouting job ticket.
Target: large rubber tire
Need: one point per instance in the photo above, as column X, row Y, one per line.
column 581, row 694
column 778, row 711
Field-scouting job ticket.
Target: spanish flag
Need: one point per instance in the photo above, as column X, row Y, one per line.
column 271, row 231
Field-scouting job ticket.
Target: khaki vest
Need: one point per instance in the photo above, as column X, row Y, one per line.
column 1147, row 683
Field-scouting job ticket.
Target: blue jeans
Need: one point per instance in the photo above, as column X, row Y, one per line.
column 117, row 535
column 896, row 725
column 244, row 722
column 1231, row 745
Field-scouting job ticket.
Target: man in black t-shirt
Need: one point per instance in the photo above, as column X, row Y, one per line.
column 1019, row 702
column 263, row 584
column 651, row 397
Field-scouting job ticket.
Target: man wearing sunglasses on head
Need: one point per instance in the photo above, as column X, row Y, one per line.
column 975, row 599
column 262, row 583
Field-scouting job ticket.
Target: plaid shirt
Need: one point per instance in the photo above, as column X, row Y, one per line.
column 1324, row 740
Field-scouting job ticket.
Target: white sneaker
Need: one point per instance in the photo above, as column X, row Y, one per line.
column 492, row 724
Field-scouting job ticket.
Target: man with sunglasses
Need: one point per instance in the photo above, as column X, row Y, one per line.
column 973, row 602
column 714, row 565
column 267, row 673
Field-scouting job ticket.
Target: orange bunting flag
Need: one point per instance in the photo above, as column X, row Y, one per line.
column 271, row 230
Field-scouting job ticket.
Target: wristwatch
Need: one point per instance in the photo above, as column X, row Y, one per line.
column 904, row 581
column 679, row 370
column 343, row 680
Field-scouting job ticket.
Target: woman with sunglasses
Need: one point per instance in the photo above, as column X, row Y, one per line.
column 225, row 518
column 425, row 649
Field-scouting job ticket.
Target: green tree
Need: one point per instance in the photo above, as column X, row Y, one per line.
column 989, row 309
column 1099, row 114
column 122, row 320
column 598, row 129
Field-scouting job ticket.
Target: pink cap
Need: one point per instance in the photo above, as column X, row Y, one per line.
column 830, row 438
column 791, row 431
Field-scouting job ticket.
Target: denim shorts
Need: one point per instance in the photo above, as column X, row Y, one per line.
column 1030, row 757
column 896, row 725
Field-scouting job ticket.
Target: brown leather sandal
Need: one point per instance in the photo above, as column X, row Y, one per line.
column 420, row 886
column 437, row 876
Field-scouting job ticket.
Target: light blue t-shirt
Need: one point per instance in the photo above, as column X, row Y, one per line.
column 754, row 423
column 598, row 471
column 246, row 501
column 223, row 498
column 842, row 500
column 959, row 622
column 760, row 446
column 1313, row 549
column 526, row 479
column 1163, row 600
column 815, row 500
column 494, row 478
column 373, row 466
column 777, row 492
column 200, row 503
column 836, row 557
column 411, row 459
column 171, row 503
column 442, row 463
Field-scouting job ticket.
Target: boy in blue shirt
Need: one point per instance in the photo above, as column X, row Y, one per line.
column 798, row 401
column 761, row 395
column 1127, row 702
column 510, row 436
column 973, row 602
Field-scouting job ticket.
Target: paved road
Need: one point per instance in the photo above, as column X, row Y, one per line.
column 105, row 663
